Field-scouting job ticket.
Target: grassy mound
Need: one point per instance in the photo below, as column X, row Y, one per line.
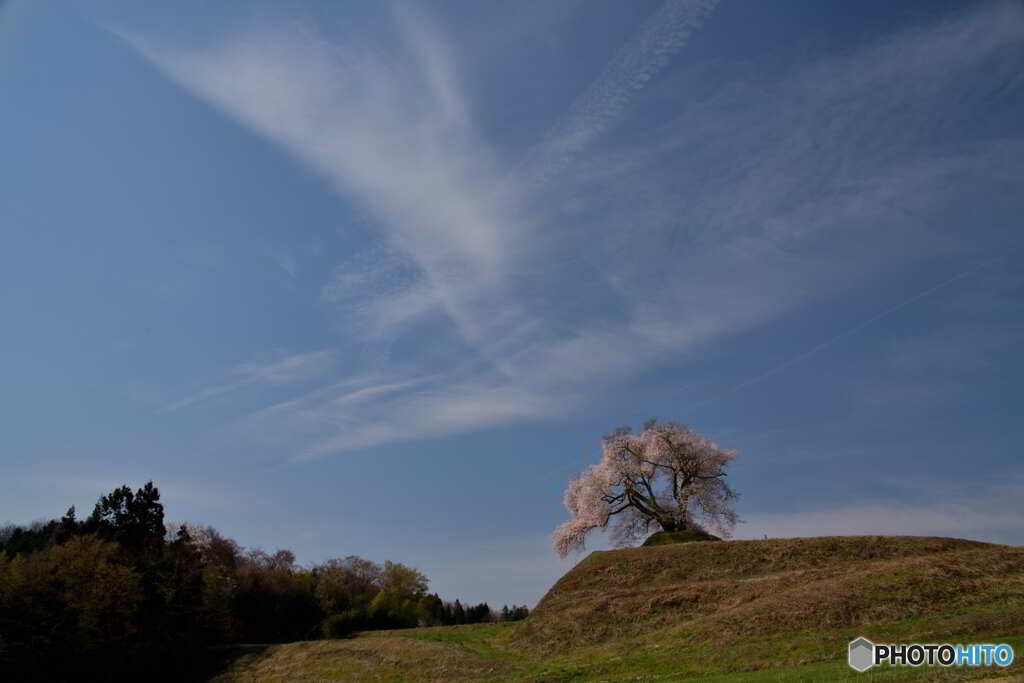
column 754, row 588
column 774, row 610
column 670, row 537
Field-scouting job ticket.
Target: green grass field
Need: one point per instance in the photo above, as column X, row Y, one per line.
column 780, row 610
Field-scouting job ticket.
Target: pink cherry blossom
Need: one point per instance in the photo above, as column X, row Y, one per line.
column 665, row 477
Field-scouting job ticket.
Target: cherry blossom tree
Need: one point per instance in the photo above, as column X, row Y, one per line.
column 665, row 477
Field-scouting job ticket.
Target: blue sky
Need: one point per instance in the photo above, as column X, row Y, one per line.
column 360, row 278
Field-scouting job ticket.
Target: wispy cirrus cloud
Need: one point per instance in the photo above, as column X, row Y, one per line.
column 378, row 292
column 283, row 370
column 606, row 100
column 394, row 133
column 759, row 192
column 371, row 410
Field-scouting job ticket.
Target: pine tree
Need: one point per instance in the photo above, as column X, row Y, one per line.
column 458, row 613
column 135, row 520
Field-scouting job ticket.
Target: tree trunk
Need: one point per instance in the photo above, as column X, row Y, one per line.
column 671, row 525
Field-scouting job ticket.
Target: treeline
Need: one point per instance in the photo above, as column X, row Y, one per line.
column 440, row 613
column 119, row 593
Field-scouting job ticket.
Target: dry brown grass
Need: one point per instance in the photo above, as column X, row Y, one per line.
column 725, row 591
column 371, row 657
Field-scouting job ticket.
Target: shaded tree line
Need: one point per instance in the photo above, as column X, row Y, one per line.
column 440, row 613
column 120, row 593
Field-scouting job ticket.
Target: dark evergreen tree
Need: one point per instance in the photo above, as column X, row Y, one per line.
column 433, row 610
column 16, row 539
column 68, row 527
column 135, row 520
column 458, row 613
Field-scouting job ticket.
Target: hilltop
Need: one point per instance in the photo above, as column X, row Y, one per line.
column 671, row 611
column 754, row 588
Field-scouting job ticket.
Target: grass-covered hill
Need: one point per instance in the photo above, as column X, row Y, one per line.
column 740, row 610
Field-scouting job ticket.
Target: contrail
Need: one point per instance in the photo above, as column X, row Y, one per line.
column 842, row 335
column 632, row 67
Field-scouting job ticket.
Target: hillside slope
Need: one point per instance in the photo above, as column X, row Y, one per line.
column 746, row 610
column 748, row 588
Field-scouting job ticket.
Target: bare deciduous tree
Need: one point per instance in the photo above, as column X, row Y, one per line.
column 662, row 478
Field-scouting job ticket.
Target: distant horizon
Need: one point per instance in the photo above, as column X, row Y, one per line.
column 375, row 279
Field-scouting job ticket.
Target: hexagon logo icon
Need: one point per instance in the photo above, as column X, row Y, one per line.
column 861, row 655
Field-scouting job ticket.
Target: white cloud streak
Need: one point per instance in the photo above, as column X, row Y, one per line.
column 842, row 335
column 284, row 370
column 634, row 65
column 396, row 136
